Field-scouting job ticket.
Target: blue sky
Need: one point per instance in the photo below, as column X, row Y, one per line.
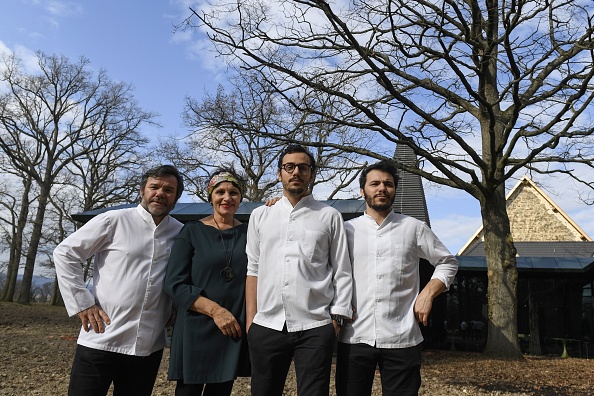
column 134, row 41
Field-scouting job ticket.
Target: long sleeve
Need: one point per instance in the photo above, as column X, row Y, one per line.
column 69, row 257
column 253, row 244
column 434, row 251
column 342, row 276
column 178, row 280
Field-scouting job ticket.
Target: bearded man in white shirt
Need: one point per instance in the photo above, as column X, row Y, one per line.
column 385, row 249
column 299, row 280
column 124, row 315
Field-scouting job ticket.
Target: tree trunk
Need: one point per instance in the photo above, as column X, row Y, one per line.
column 16, row 247
column 24, row 295
column 11, row 271
column 502, row 340
column 56, row 295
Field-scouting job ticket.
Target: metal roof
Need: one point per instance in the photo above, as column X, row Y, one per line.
column 524, row 264
column 191, row 211
column 544, row 249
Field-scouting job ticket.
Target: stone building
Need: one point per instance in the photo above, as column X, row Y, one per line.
column 555, row 261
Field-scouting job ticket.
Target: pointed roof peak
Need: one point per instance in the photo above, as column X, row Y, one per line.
column 534, row 217
column 410, row 194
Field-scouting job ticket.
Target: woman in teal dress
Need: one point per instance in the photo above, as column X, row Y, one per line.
column 206, row 279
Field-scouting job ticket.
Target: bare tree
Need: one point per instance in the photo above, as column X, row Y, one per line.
column 479, row 90
column 235, row 127
column 51, row 118
column 109, row 173
column 14, row 215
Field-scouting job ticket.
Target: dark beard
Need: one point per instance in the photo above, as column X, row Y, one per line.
column 296, row 190
column 378, row 207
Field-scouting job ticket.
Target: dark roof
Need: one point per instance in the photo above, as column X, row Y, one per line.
column 544, row 249
column 410, row 195
column 189, row 211
column 525, row 264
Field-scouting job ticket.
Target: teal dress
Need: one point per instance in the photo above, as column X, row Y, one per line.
column 200, row 353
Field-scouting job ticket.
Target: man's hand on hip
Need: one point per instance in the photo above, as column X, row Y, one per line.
column 95, row 318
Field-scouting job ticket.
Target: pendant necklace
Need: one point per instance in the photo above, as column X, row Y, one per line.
column 226, row 273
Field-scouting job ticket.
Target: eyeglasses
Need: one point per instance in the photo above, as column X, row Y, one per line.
column 289, row 167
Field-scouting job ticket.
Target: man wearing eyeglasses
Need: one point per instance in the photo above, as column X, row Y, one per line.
column 299, row 283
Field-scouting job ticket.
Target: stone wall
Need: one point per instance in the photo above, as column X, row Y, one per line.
column 534, row 219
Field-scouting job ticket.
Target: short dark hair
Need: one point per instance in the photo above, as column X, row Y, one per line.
column 241, row 181
column 296, row 148
column 162, row 170
column 384, row 166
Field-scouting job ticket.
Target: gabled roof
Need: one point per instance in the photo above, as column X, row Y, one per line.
column 543, row 207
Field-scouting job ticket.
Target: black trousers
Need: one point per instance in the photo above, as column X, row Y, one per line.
column 94, row 370
column 271, row 353
column 400, row 370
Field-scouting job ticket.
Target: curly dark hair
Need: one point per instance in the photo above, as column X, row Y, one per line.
column 384, row 166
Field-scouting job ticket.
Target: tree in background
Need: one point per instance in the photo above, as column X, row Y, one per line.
column 479, row 90
column 55, row 116
column 14, row 217
column 235, row 127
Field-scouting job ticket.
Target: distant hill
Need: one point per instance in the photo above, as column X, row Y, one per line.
column 37, row 280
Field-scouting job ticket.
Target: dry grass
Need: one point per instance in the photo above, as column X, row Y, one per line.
column 38, row 342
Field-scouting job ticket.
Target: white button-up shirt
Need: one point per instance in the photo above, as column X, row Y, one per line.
column 300, row 257
column 131, row 255
column 385, row 262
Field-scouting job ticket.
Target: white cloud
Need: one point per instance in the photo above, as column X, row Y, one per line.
column 4, row 49
column 52, row 22
column 27, row 57
column 63, row 8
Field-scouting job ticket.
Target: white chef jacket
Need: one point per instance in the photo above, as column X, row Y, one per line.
column 131, row 255
column 385, row 262
column 300, row 257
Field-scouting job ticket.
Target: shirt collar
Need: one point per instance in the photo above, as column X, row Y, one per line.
column 389, row 218
column 303, row 201
column 148, row 218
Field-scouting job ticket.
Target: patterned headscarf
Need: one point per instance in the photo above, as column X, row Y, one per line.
column 222, row 177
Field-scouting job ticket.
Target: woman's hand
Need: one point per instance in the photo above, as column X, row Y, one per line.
column 226, row 322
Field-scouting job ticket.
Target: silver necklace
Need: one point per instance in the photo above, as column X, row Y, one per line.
column 227, row 273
